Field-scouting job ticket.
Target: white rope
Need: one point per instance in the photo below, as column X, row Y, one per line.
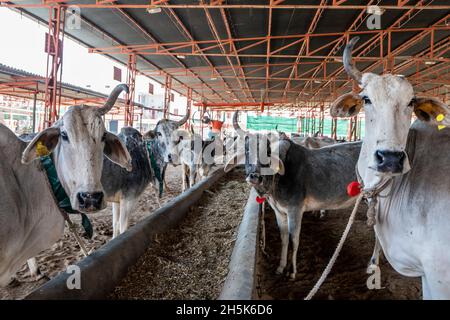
column 337, row 251
column 263, row 228
column 72, row 228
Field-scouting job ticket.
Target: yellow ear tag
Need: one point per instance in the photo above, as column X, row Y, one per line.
column 440, row 127
column 440, row 117
column 41, row 150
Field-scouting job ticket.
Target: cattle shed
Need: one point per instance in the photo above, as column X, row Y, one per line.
column 252, row 55
column 197, row 231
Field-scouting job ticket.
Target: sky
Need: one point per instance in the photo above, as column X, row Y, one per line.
column 24, row 49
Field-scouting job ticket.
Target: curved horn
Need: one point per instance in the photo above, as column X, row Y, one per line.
column 349, row 66
column 185, row 118
column 113, row 98
column 236, row 126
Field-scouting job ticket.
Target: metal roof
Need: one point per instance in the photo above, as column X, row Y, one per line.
column 285, row 52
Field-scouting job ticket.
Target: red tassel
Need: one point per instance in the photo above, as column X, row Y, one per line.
column 353, row 188
column 260, row 200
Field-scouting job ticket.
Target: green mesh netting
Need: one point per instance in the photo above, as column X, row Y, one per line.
column 292, row 125
column 271, row 123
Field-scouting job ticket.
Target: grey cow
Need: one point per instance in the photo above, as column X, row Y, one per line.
column 124, row 188
column 301, row 180
column 166, row 135
column 30, row 219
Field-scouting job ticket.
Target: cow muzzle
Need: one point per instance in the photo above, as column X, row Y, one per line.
column 254, row 179
column 90, row 201
column 390, row 161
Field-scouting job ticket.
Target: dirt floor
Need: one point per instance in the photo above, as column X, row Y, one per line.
column 191, row 261
column 348, row 277
column 66, row 251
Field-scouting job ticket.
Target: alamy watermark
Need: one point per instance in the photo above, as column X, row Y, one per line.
column 73, row 18
column 374, row 280
column 374, row 19
column 74, row 279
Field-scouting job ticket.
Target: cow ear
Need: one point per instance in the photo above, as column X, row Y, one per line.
column 150, row 134
column 432, row 110
column 347, row 105
column 116, row 151
column 41, row 145
column 236, row 159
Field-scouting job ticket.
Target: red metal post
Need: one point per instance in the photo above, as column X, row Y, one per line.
column 54, row 50
column 189, row 106
column 131, row 82
column 167, row 92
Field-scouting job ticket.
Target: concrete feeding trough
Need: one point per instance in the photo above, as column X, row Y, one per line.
column 102, row 271
column 240, row 282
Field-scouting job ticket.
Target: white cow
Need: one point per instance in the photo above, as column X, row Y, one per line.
column 413, row 220
column 30, row 220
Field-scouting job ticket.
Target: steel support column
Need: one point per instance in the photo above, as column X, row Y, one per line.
column 167, row 93
column 131, row 82
column 189, row 107
column 54, row 50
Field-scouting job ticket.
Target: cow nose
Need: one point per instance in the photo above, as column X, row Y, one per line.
column 254, row 177
column 389, row 161
column 90, row 200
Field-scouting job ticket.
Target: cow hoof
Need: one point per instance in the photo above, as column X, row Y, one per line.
column 14, row 283
column 292, row 277
column 41, row 276
column 371, row 268
column 279, row 270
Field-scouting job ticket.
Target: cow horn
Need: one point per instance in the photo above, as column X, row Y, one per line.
column 349, row 66
column 183, row 121
column 113, row 98
column 236, row 126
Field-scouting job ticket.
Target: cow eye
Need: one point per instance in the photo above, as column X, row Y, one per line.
column 104, row 137
column 366, row 100
column 412, row 102
column 159, row 134
column 64, row 136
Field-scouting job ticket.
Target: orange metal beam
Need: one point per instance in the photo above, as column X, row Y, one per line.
column 192, row 46
column 215, row 5
column 375, row 41
column 178, row 23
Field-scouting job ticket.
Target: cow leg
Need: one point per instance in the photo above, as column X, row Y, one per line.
column 156, row 191
column 185, row 177
column 295, row 224
column 283, row 226
column 163, row 176
column 426, row 294
column 116, row 218
column 126, row 206
column 436, row 278
column 192, row 175
column 375, row 259
column 35, row 272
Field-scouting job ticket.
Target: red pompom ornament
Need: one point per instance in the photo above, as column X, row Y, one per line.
column 260, row 200
column 353, row 188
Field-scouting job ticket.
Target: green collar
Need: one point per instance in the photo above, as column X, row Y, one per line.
column 155, row 167
column 60, row 194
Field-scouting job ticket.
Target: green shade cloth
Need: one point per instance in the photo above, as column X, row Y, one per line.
column 292, row 125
